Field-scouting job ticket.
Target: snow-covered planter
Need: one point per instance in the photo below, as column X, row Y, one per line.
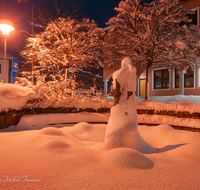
column 12, row 117
column 17, row 101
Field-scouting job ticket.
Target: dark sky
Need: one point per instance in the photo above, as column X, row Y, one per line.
column 19, row 11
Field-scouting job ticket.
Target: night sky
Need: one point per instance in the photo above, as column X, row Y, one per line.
column 19, row 12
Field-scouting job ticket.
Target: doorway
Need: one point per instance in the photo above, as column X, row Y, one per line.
column 142, row 84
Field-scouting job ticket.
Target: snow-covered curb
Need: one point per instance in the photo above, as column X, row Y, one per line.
column 169, row 103
column 163, row 119
column 29, row 121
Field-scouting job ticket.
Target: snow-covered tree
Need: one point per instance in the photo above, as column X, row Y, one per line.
column 158, row 34
column 49, row 10
column 68, row 44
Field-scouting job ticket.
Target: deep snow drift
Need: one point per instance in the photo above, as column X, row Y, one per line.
column 72, row 157
column 38, row 155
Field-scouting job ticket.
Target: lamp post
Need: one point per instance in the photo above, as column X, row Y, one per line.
column 6, row 26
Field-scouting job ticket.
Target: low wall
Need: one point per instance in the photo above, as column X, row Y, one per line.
column 178, row 114
column 12, row 117
column 172, row 113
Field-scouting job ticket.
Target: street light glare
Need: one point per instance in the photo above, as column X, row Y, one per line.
column 6, row 26
column 6, row 29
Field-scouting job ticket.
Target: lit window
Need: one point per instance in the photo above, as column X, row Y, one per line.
column 161, row 79
column 188, row 79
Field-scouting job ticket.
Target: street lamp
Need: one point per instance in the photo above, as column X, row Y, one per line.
column 6, row 26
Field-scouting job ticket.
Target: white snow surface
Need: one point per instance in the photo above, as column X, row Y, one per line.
column 15, row 97
column 74, row 156
column 164, row 119
column 189, row 103
column 42, row 152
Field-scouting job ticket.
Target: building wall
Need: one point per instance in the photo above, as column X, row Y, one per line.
column 108, row 71
column 193, row 4
column 172, row 90
column 190, row 4
column 8, row 76
column 9, row 64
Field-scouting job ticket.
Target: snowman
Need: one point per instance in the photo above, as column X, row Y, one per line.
column 122, row 127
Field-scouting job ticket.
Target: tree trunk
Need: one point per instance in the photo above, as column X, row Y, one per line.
column 65, row 73
column 147, row 84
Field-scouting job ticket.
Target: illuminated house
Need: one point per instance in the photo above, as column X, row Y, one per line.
column 165, row 81
column 11, row 67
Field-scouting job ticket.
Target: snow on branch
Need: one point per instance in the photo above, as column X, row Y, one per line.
column 155, row 34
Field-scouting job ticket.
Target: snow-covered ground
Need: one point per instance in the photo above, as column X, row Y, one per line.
column 73, row 157
column 38, row 155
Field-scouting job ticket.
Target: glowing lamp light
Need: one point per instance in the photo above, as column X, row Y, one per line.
column 6, row 26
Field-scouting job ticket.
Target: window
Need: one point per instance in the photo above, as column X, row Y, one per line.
column 188, row 79
column 161, row 79
column 194, row 17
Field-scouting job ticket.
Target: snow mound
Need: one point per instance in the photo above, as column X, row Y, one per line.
column 126, row 158
column 55, row 144
column 11, row 91
column 87, row 132
column 56, row 139
column 67, row 162
column 83, row 126
column 52, row 131
column 15, row 97
column 164, row 135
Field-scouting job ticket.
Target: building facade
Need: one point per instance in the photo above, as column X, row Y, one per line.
column 166, row 81
column 11, row 67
